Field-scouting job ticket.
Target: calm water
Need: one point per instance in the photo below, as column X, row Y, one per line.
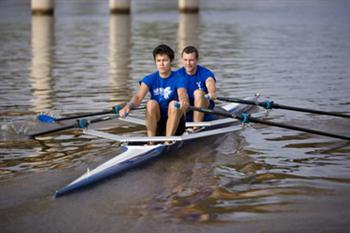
column 262, row 179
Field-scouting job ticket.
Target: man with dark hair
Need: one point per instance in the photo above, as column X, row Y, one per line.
column 166, row 88
column 201, row 87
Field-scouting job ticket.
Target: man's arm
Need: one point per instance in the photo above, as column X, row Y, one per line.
column 183, row 98
column 211, row 86
column 135, row 100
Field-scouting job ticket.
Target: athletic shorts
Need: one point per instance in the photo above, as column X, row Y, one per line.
column 161, row 126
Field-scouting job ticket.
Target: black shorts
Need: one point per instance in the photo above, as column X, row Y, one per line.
column 207, row 117
column 161, row 126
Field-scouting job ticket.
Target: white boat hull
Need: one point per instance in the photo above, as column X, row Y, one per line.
column 137, row 154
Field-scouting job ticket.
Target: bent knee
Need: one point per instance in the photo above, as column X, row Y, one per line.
column 173, row 107
column 152, row 104
column 198, row 94
column 152, row 107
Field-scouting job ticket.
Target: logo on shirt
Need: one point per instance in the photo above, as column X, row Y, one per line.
column 199, row 85
column 165, row 92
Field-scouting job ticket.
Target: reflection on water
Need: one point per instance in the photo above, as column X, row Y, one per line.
column 229, row 181
column 119, row 54
column 50, row 153
column 41, row 70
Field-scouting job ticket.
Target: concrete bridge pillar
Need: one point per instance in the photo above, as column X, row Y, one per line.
column 119, row 54
column 119, row 6
column 189, row 6
column 42, row 81
column 42, row 7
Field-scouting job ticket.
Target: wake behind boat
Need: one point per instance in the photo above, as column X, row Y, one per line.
column 135, row 154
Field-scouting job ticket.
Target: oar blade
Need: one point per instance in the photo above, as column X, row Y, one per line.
column 46, row 118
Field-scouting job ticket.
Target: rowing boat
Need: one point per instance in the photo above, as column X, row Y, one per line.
column 136, row 152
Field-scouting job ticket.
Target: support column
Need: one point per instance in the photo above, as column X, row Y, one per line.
column 188, row 31
column 41, row 78
column 119, row 6
column 119, row 55
column 43, row 7
column 189, row 6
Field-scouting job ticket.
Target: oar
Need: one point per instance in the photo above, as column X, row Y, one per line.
column 50, row 119
column 270, row 104
column 246, row 118
column 80, row 123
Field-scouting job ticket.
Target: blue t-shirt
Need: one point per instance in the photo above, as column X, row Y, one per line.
column 164, row 90
column 196, row 81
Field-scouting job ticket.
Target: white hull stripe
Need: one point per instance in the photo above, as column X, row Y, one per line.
column 139, row 121
column 184, row 137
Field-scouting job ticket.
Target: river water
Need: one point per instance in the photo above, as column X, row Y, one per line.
column 261, row 179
